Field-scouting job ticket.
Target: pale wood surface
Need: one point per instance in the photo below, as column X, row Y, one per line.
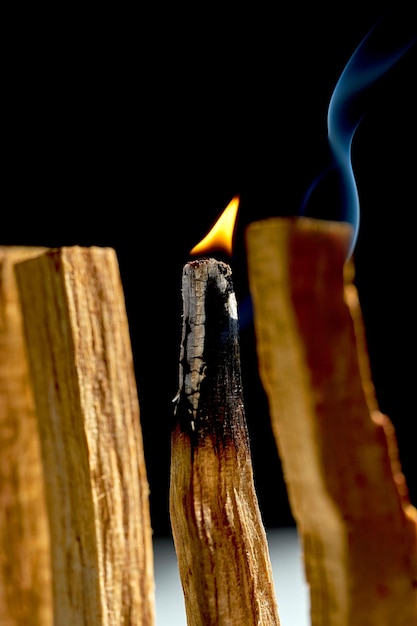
column 85, row 390
column 339, row 454
column 218, row 532
column 25, row 585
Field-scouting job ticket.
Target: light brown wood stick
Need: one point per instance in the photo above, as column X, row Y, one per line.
column 25, row 574
column 85, row 390
column 218, row 532
column 339, row 454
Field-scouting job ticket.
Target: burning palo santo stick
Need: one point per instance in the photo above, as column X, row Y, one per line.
column 218, row 533
column 339, row 454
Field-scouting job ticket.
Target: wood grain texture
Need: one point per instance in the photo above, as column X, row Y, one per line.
column 218, row 532
column 85, row 390
column 339, row 454
column 25, row 575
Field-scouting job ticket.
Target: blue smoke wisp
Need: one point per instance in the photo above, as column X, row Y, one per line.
column 377, row 53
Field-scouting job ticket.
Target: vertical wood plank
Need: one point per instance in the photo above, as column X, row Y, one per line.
column 85, row 389
column 25, row 584
column 340, row 458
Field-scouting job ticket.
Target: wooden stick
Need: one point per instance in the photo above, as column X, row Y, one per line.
column 25, row 575
column 348, row 496
column 217, row 528
column 84, row 384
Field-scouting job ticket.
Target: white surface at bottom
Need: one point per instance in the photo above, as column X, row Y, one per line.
column 287, row 567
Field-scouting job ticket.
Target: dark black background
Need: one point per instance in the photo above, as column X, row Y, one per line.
column 134, row 130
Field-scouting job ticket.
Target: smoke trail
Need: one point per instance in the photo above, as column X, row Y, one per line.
column 377, row 53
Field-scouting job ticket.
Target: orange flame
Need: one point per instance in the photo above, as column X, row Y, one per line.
column 220, row 236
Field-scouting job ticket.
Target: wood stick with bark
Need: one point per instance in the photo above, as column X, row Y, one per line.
column 85, row 390
column 218, row 532
column 339, row 453
column 25, row 573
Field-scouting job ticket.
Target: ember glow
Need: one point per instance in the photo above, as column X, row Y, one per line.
column 220, row 237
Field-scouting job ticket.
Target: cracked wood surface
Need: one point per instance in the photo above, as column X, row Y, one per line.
column 85, row 390
column 218, row 532
column 25, row 584
column 339, row 453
